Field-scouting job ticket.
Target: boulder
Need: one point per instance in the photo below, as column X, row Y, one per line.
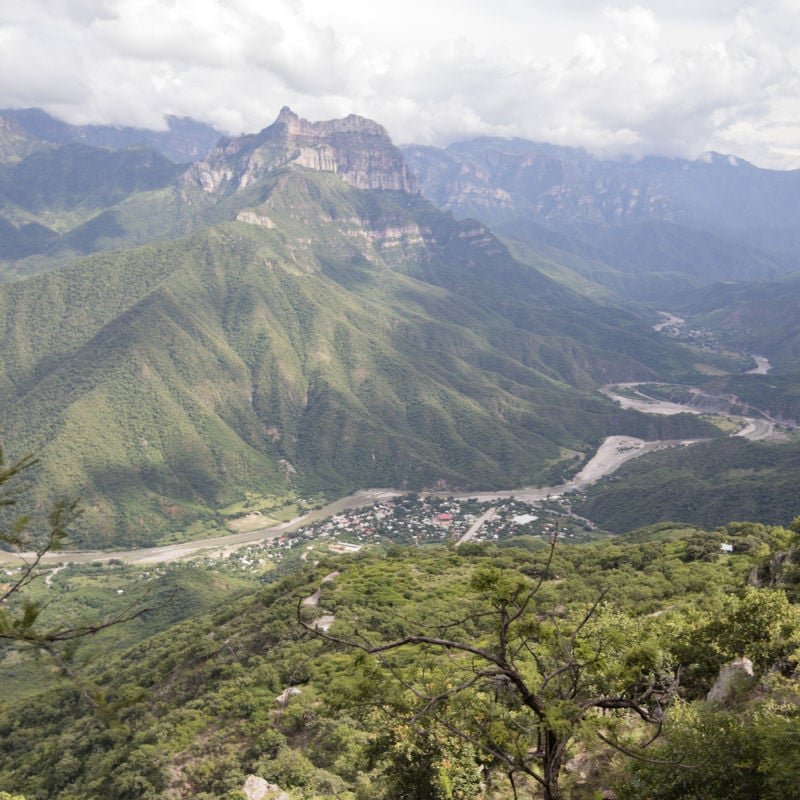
column 256, row 788
column 283, row 698
column 735, row 679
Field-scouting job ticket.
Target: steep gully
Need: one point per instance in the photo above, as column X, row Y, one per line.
column 612, row 453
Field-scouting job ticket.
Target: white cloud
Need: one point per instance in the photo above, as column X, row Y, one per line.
column 667, row 76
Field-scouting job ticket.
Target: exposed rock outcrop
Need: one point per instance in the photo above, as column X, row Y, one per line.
column 735, row 679
column 256, row 788
column 357, row 149
column 283, row 698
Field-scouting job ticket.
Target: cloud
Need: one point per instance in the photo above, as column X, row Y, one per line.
column 673, row 78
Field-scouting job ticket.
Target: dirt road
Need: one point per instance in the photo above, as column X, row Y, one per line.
column 477, row 525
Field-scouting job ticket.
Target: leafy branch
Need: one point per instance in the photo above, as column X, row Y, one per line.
column 20, row 615
column 528, row 681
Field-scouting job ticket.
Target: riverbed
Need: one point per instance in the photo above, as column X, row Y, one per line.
column 612, row 454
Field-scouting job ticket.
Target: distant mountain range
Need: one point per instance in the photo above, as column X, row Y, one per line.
column 644, row 228
column 303, row 321
column 184, row 140
column 638, row 230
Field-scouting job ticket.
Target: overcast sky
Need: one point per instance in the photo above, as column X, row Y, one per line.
column 673, row 77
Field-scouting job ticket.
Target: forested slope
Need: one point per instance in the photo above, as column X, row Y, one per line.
column 192, row 712
column 328, row 338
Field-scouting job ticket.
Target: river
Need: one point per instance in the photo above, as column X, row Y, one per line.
column 755, row 429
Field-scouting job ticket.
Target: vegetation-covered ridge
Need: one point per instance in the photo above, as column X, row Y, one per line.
column 758, row 317
column 642, row 228
column 702, row 485
column 331, row 338
column 248, row 690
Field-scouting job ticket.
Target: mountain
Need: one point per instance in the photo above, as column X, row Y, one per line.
column 357, row 149
column 15, row 143
column 656, row 223
column 68, row 190
column 184, row 140
column 647, row 261
column 60, row 202
column 64, row 201
column 75, row 175
column 323, row 328
column 758, row 318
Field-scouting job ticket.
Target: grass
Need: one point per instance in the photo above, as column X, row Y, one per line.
column 251, row 522
column 257, row 502
column 725, row 423
column 289, row 512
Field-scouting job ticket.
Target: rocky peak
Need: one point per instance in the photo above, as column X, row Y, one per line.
column 296, row 126
column 357, row 149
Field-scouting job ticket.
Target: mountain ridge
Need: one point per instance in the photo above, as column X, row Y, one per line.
column 308, row 335
column 183, row 141
column 714, row 218
column 357, row 149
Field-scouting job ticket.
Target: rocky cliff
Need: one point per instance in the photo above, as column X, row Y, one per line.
column 498, row 180
column 357, row 149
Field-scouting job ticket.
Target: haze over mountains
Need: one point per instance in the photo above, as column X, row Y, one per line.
column 289, row 314
column 645, row 228
column 183, row 141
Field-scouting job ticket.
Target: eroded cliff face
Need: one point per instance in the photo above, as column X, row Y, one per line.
column 544, row 182
column 357, row 149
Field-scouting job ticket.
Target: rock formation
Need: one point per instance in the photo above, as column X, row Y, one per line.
column 734, row 680
column 357, row 149
column 256, row 788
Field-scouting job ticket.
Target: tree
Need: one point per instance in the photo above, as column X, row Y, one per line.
column 20, row 616
column 520, row 676
column 742, row 753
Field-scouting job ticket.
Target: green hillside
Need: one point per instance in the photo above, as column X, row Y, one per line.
column 777, row 394
column 757, row 317
column 711, row 218
column 706, row 485
column 58, row 203
column 195, row 710
column 645, row 261
column 337, row 338
column 183, row 141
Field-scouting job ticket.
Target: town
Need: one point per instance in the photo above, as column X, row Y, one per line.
column 411, row 519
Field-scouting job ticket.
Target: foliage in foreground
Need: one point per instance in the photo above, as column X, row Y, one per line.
column 192, row 712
